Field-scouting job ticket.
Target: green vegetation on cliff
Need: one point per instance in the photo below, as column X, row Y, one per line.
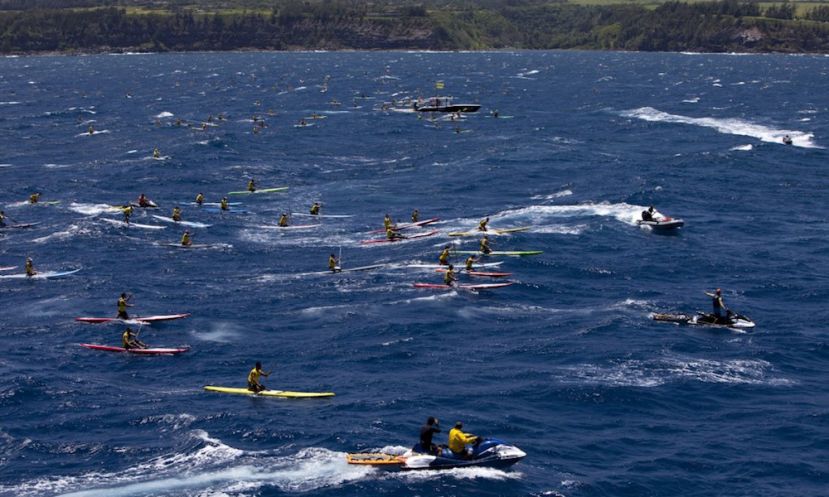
column 181, row 25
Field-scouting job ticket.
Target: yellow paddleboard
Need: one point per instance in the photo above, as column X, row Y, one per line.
column 373, row 459
column 269, row 393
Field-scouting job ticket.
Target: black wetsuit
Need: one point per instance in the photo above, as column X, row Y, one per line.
column 426, row 432
column 647, row 216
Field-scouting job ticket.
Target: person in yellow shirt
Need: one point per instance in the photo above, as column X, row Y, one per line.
column 251, row 186
column 30, row 267
column 127, row 210
column 449, row 276
column 130, row 341
column 283, row 220
column 123, row 303
column 253, row 378
column 458, row 440
column 443, row 258
column 393, row 235
column 485, row 249
column 333, row 264
column 315, row 209
column 185, row 239
column 176, row 214
column 199, row 199
column 469, row 262
column 482, row 224
column 387, row 222
column 2, row 218
column 33, row 198
column 156, row 153
column 415, row 215
column 223, row 205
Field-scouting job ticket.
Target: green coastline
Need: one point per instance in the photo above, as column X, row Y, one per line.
column 90, row 26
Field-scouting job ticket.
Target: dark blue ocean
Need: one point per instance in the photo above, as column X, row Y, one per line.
column 566, row 363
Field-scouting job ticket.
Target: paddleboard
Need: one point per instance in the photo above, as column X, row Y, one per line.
column 219, row 210
column 438, row 266
column 148, row 351
column 291, row 227
column 332, row 216
column 269, row 393
column 191, row 224
column 478, row 273
column 263, row 190
column 489, row 231
column 19, row 226
column 47, row 202
column 7, row 268
column 132, row 225
column 413, row 237
column 516, row 253
column 216, row 204
column 191, row 246
column 403, row 226
column 134, row 319
column 44, row 275
column 438, row 286
column 352, row 269
column 375, row 459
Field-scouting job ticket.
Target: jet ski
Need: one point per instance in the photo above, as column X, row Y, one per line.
column 489, row 452
column 663, row 224
column 731, row 320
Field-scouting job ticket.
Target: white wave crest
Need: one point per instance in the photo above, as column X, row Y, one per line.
column 92, row 209
column 743, row 148
column 731, row 126
column 164, row 114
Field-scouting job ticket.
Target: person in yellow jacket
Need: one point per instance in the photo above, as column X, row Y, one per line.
column 443, row 259
column 30, row 267
column 283, row 220
column 199, row 199
column 387, row 222
column 469, row 262
column 253, row 378
column 449, row 276
column 186, row 240
column 315, row 209
column 176, row 214
column 223, row 205
column 33, row 198
column 458, row 440
column 251, row 186
column 129, row 340
column 333, row 264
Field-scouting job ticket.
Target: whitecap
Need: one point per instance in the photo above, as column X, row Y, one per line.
column 164, row 114
column 743, row 148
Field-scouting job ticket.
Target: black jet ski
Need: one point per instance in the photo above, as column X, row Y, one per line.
column 663, row 224
column 732, row 320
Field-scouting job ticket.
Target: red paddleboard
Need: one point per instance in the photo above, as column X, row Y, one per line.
column 134, row 319
column 478, row 273
column 152, row 351
column 404, row 226
column 437, row 286
column 386, row 240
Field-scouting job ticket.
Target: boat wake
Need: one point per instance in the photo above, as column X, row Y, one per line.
column 731, row 126
column 544, row 214
column 211, row 467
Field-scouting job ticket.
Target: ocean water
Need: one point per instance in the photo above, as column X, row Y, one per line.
column 565, row 364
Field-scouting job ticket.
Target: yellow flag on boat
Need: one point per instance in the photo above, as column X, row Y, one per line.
column 438, row 85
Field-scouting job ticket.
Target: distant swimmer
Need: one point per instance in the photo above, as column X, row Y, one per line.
column 485, row 245
column 199, row 199
column 787, row 140
column 387, row 222
column 648, row 214
column 415, row 215
column 449, row 276
column 176, row 214
column 251, row 186
column 253, row 378
column 482, row 224
column 30, row 267
column 315, row 209
column 333, row 264
column 443, row 258
column 127, row 210
column 185, row 239
column 156, row 153
column 123, row 303
column 130, row 340
column 223, row 204
column 283, row 220
column 143, row 201
column 469, row 262
column 34, row 198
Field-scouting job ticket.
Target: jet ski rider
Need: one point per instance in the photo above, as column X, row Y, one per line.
column 648, row 214
column 431, row 427
column 458, row 441
column 721, row 312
